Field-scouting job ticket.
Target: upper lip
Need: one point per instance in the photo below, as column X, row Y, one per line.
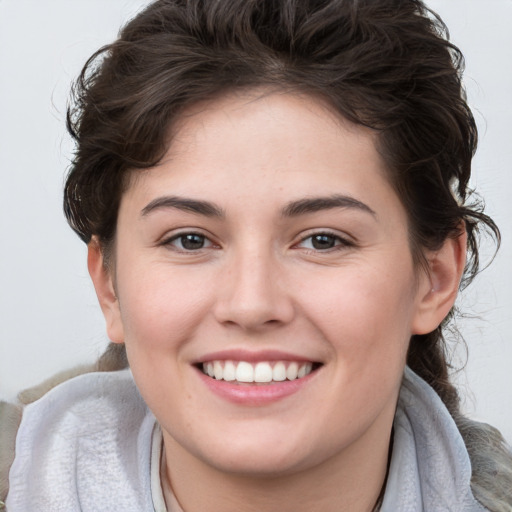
column 252, row 356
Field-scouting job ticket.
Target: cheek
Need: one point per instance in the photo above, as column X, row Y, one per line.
column 159, row 307
column 362, row 310
column 160, row 311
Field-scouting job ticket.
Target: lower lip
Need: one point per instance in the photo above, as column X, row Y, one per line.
column 255, row 394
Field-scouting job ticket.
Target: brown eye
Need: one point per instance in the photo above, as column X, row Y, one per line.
column 323, row 241
column 192, row 242
column 189, row 242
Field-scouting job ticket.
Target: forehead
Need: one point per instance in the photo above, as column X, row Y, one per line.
column 269, row 145
column 283, row 112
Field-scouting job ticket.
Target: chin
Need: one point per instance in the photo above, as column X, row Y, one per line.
column 260, row 453
column 256, row 464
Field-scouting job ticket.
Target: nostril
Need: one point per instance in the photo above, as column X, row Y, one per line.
column 255, row 314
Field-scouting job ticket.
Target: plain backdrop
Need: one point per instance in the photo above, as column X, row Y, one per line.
column 49, row 317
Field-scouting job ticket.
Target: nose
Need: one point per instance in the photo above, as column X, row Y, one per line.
column 253, row 294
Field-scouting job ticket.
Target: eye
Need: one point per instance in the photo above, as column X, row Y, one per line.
column 188, row 242
column 323, row 242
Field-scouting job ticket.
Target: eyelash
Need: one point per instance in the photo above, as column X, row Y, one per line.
column 180, row 237
column 339, row 242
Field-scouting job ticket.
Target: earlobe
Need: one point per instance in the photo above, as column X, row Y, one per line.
column 439, row 287
column 103, row 283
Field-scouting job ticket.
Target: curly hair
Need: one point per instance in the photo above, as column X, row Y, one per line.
column 384, row 64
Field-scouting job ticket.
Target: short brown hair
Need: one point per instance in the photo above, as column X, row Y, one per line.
column 384, row 64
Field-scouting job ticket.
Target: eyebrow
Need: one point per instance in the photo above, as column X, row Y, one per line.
column 292, row 209
column 316, row 204
column 180, row 203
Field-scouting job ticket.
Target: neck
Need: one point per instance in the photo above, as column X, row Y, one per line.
column 345, row 482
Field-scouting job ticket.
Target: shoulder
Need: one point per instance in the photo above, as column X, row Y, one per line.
column 454, row 449
column 114, row 358
column 491, row 462
column 10, row 418
column 91, row 433
column 430, row 468
column 11, row 415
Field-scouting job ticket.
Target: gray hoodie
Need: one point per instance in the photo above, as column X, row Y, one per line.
column 86, row 446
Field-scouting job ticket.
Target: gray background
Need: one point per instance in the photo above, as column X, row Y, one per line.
column 49, row 318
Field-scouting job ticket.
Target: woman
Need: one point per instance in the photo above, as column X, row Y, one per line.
column 273, row 194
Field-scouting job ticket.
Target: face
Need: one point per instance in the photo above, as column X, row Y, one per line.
column 265, row 286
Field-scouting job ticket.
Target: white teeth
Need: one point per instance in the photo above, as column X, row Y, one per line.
column 292, row 371
column 279, row 372
column 261, row 372
column 304, row 370
column 218, row 371
column 229, row 371
column 244, row 372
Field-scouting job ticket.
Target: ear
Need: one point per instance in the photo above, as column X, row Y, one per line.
column 104, row 285
column 439, row 285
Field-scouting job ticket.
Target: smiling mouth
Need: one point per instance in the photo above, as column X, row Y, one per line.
column 263, row 372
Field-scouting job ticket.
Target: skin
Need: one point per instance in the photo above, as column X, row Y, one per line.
column 259, row 283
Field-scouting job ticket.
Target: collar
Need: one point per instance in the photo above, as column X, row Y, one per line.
column 430, row 467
